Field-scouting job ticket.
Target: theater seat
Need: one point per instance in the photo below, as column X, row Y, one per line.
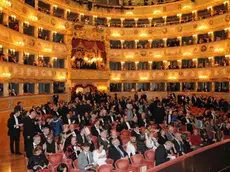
column 75, row 170
column 75, row 164
column 109, row 161
column 105, row 168
column 55, row 159
column 44, row 170
column 125, row 166
column 150, row 155
column 138, row 159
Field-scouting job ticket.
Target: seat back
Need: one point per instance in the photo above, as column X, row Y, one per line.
column 55, row 159
column 75, row 164
column 44, row 170
column 105, row 168
column 109, row 161
column 137, row 159
column 122, row 164
column 150, row 155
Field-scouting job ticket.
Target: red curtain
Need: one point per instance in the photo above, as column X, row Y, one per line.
column 75, row 43
column 88, row 45
column 100, row 46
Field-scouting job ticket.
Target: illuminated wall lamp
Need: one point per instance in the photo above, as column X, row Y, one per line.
column 172, row 77
column 158, row 56
column 219, row 50
column 26, row 24
column 157, row 12
column 143, row 34
column 179, row 15
column 129, row 56
column 209, row 8
column 202, row 27
column 225, row 2
column 187, row 54
column 186, row 7
column 194, row 59
column 54, row 7
column 203, row 77
column 26, row 54
column 40, row 28
column 1, row 10
column 19, row 43
column 34, row 18
column 102, row 88
column 136, row 62
column 129, row 13
column 48, row 50
column 144, row 78
column 62, row 27
column 116, row 78
column 54, row 58
column 61, row 77
column 6, row 75
column 116, row 34
column 7, row 3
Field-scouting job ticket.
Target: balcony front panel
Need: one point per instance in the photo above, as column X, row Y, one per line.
column 217, row 48
column 10, row 38
column 27, row 73
column 190, row 75
column 24, row 12
column 171, row 31
column 184, row 6
column 89, row 75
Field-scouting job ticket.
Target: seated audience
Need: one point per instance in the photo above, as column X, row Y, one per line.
column 161, row 154
column 62, row 168
column 195, row 140
column 99, row 155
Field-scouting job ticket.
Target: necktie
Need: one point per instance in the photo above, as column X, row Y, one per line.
column 87, row 154
column 121, row 153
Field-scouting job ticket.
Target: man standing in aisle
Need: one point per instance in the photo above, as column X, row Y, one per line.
column 14, row 131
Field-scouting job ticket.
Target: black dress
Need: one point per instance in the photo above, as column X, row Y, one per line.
column 162, row 140
column 40, row 160
column 50, row 147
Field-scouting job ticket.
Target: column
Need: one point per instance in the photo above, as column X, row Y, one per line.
column 179, row 63
column 211, row 36
column 122, row 65
column 180, row 40
column 227, row 32
column 165, row 20
column 20, row 89
column 194, row 39
column 211, row 60
column 122, row 87
column 21, row 57
column 122, row 22
column 150, row 43
column 195, row 14
column 51, row 88
column 136, row 20
column 136, row 65
column 181, row 84
column 36, row 57
column 36, row 88
column 151, row 86
column 180, row 17
column 165, row 64
column 35, row 31
column 5, row 89
column 150, row 65
column 36, row 4
column 150, row 21
column 196, row 86
column 136, row 42
column 226, row 3
column 211, row 11
column 122, row 44
column 5, row 19
column 212, row 87
column 165, row 42
column 165, row 86
column 195, row 61
column 20, row 25
column 94, row 20
column 108, row 19
column 6, row 53
column 66, row 64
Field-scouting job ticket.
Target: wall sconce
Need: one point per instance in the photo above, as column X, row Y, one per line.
column 1, row 10
column 108, row 18
column 172, row 77
column 95, row 17
column 165, row 61
column 164, row 39
column 54, row 58
column 19, row 43
column 194, row 11
column 187, row 54
column 26, row 54
column 62, row 27
column 116, row 34
column 60, row 77
column 116, row 78
column 68, row 11
column 203, row 77
column 194, row 59
column 129, row 13
column 225, row 2
column 158, row 56
column 157, row 12
column 209, row 8
column 226, row 29
column 102, row 87
column 179, row 15
column 194, row 35
column 26, row 24
column 1, row 48
column 54, row 7
column 7, row 3
column 81, row 14
column 6, row 75
column 13, row 18
column 48, row 50
column 12, row 51
column 210, row 33
column 202, row 27
column 122, row 19
column 144, row 78
column 54, row 33
column 150, row 62
column 136, row 19
column 143, row 34
column 40, row 29
column 136, row 62
column 219, row 50
column 150, row 18
column 186, row 7
column 129, row 56
column 164, row 17
column 34, row 18
column 40, row 56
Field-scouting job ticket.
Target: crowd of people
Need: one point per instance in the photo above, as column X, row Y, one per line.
column 91, row 127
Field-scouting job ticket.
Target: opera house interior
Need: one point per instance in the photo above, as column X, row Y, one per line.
column 114, row 85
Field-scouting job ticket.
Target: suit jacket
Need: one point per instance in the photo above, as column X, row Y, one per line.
column 29, row 127
column 115, row 154
column 12, row 131
column 94, row 131
column 65, row 121
column 161, row 155
column 125, row 127
column 142, row 123
column 179, row 147
column 84, row 161
column 80, row 139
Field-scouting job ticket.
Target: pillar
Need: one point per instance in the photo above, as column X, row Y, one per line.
column 136, row 65
column 181, row 85
column 136, row 42
column 122, row 87
column 180, row 17
column 180, row 40
column 165, row 20
column 179, row 63
column 212, row 87
column 20, row 25
column 5, row 89
column 211, row 11
column 150, row 43
column 151, row 86
column 21, row 57
column 195, row 39
column 94, row 20
column 195, row 61
column 165, row 42
column 211, row 36
column 36, row 57
column 35, row 31
column 226, row 3
column 36, row 4
column 6, row 53
column 136, row 20
column 227, row 32
column 65, row 64
column 195, row 14
column 150, row 65
column 211, row 61
column 20, row 89
column 36, row 88
column 150, row 21
column 165, row 89
column 122, row 22
column 108, row 19
column 51, row 88
column 122, row 65
column 5, row 19
column 196, row 86
column 122, row 44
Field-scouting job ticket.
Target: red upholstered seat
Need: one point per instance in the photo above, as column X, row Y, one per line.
column 138, row 159
column 125, row 140
column 125, row 133
column 150, row 155
column 109, row 161
column 105, row 168
column 75, row 170
column 75, row 164
column 125, row 166
column 44, row 170
column 55, row 159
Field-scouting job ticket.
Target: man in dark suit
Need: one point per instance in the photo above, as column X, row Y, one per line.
column 95, row 129
column 102, row 140
column 81, row 139
column 29, row 129
column 68, row 120
column 178, row 144
column 55, row 98
column 159, row 114
column 126, row 125
column 14, row 125
column 31, row 146
column 161, row 154
column 143, row 121
column 116, row 151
